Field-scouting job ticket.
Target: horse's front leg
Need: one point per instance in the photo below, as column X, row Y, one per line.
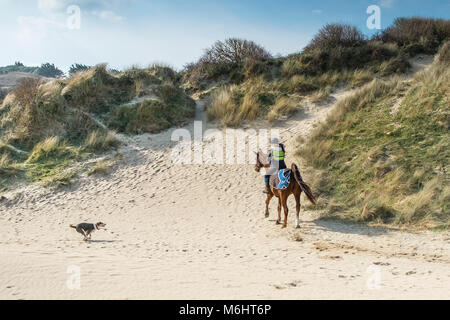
column 269, row 197
column 279, row 211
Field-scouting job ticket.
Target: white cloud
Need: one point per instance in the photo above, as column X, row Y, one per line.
column 108, row 15
column 34, row 29
column 386, row 3
column 50, row 5
column 61, row 5
column 99, row 8
column 317, row 11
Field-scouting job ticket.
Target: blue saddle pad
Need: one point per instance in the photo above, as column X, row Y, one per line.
column 281, row 179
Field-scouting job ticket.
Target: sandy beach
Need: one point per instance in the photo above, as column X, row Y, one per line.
column 199, row 232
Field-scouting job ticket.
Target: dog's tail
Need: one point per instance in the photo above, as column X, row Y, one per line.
column 72, row 226
column 305, row 188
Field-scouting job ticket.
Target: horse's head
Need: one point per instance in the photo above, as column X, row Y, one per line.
column 258, row 164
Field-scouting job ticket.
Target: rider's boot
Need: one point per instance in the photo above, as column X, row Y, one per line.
column 267, row 191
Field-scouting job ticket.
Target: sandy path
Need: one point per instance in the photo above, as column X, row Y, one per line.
column 199, row 232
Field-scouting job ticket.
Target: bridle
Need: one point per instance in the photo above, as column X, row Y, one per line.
column 258, row 164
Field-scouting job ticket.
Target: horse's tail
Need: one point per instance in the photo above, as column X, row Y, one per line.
column 305, row 188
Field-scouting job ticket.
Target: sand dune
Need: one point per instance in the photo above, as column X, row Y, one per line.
column 9, row 80
column 199, row 232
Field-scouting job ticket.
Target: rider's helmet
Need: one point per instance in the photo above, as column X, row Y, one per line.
column 275, row 141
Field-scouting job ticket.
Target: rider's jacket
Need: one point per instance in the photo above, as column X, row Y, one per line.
column 276, row 158
column 277, row 152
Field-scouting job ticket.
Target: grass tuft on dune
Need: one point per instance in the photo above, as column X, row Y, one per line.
column 61, row 122
column 383, row 165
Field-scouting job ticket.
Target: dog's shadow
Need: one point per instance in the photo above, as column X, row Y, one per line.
column 103, row 241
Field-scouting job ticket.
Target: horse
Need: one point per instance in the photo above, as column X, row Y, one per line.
column 296, row 187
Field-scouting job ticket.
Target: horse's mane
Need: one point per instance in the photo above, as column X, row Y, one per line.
column 262, row 158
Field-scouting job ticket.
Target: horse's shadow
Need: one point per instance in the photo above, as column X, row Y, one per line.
column 348, row 227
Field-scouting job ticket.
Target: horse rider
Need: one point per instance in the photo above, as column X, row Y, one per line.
column 276, row 159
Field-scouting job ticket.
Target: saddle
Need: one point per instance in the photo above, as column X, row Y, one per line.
column 281, row 179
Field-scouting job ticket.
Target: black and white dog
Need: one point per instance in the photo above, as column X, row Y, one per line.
column 86, row 229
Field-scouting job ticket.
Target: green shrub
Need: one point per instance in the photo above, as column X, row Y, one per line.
column 100, row 141
column 418, row 35
column 50, row 148
column 255, row 68
column 33, row 111
column 381, row 167
column 398, row 65
column 3, row 94
column 18, row 67
column 152, row 116
column 336, row 35
column 77, row 67
column 224, row 105
column 7, row 166
column 284, row 107
column 223, row 59
column 95, row 90
column 444, row 54
column 49, row 70
column 338, row 58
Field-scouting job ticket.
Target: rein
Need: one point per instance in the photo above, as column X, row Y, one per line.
column 259, row 163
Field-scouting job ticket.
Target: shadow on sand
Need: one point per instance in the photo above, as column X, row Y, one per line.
column 348, row 227
column 103, row 241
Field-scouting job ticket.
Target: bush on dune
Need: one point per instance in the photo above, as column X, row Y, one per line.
column 17, row 67
column 417, row 35
column 163, row 72
column 100, row 141
column 336, row 35
column 255, row 99
column 3, row 94
column 171, row 108
column 444, row 54
column 8, row 168
column 96, row 90
column 338, row 56
column 77, row 67
column 49, row 70
column 284, row 107
column 321, row 95
column 59, row 122
column 36, row 109
column 35, row 117
column 152, row 75
column 388, row 167
column 32, row 111
column 362, row 55
column 232, row 59
column 49, row 159
column 150, row 116
column 51, row 147
column 224, row 105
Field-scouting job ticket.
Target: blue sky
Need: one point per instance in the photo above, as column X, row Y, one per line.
column 127, row 32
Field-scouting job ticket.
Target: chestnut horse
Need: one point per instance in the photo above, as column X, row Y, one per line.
column 296, row 187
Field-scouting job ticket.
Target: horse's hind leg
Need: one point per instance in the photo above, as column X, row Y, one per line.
column 269, row 197
column 297, row 202
column 286, row 209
